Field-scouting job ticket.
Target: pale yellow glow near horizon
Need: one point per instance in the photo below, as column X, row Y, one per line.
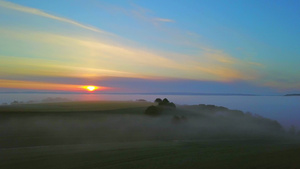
column 37, row 44
column 104, row 59
column 80, row 54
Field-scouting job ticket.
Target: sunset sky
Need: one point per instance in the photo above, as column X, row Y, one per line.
column 202, row 46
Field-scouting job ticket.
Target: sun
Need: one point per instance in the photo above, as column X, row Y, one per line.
column 90, row 88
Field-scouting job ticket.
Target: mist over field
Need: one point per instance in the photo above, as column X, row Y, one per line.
column 138, row 134
column 283, row 109
column 72, row 126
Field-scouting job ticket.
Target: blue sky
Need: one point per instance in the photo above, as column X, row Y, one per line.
column 130, row 46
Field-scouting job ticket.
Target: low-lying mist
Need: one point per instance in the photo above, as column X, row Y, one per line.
column 133, row 124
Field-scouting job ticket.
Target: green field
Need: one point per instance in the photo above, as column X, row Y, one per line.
column 104, row 135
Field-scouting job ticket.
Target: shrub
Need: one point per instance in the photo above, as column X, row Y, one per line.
column 152, row 111
column 166, row 103
column 157, row 100
column 162, row 106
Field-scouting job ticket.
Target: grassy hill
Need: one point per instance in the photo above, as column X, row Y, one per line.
column 120, row 135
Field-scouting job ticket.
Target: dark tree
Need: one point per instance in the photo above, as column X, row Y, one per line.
column 163, row 105
column 166, row 103
column 14, row 102
column 172, row 105
column 152, row 111
column 157, row 100
column 165, row 100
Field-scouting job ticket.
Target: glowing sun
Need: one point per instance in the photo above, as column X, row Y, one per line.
column 90, row 88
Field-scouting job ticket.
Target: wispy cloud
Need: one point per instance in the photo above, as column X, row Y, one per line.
column 38, row 12
column 100, row 58
column 79, row 55
column 137, row 12
column 26, row 66
column 163, row 20
column 105, row 59
column 144, row 15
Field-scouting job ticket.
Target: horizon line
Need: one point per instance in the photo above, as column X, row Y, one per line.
column 147, row 93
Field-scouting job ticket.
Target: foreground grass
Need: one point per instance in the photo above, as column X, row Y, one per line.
column 113, row 135
column 165, row 155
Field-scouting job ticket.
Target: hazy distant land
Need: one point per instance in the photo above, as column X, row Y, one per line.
column 118, row 134
column 292, row 95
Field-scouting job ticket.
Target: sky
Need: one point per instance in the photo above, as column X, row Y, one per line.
column 141, row 46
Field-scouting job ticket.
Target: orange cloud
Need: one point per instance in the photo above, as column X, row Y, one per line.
column 33, row 85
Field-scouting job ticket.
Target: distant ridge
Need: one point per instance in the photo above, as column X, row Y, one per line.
column 292, row 95
column 190, row 94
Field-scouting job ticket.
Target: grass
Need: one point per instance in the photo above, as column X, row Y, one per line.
column 148, row 155
column 72, row 106
column 113, row 135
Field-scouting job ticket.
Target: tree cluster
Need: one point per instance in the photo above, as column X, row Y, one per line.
column 165, row 102
column 161, row 106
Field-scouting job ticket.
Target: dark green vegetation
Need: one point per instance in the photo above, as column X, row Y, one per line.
column 120, row 135
column 162, row 105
